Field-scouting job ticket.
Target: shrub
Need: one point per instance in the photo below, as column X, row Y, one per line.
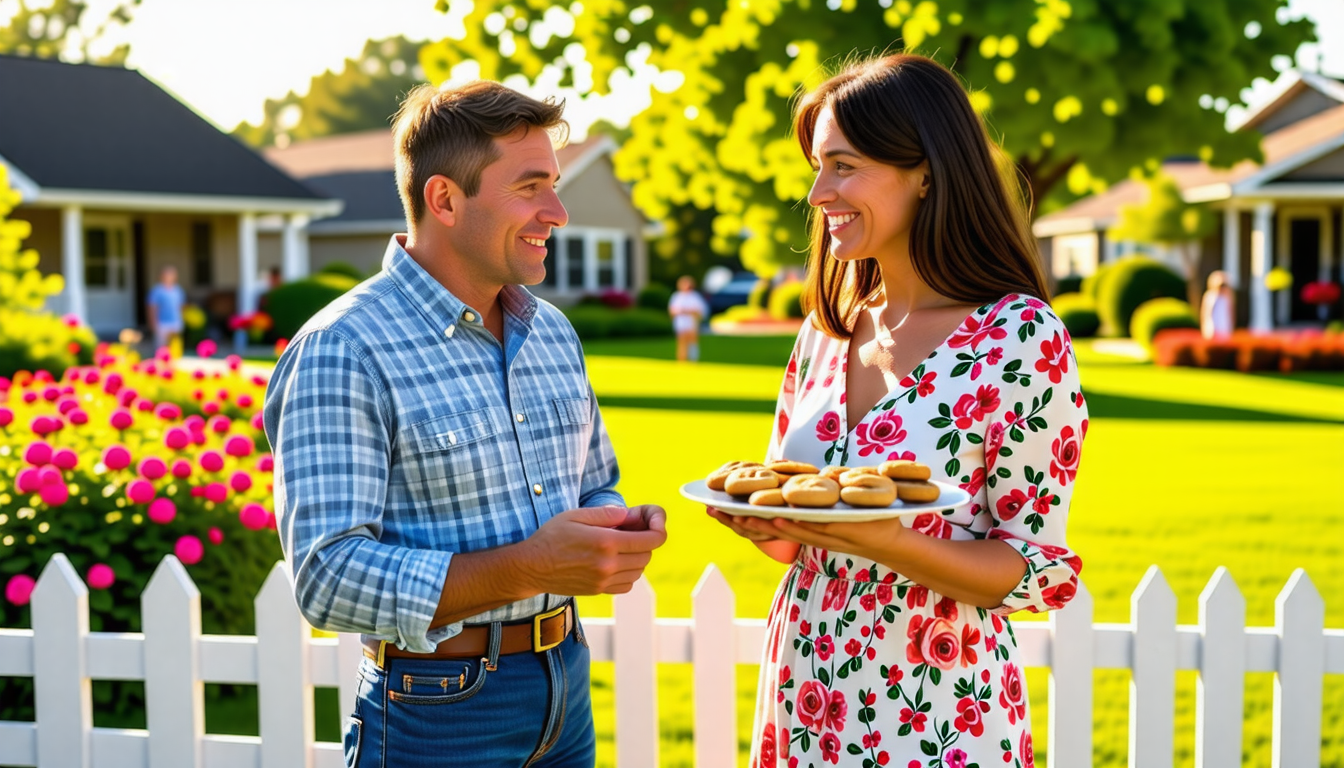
column 616, row 298
column 31, row 341
column 759, row 294
column 1216, row 353
column 292, row 304
column 1092, row 282
column 1078, row 313
column 786, row 301
column 602, row 322
column 1129, row 283
column 342, row 268
column 1070, row 284
column 1257, row 353
column 1159, row 315
column 1176, row 346
column 654, row 296
column 742, row 313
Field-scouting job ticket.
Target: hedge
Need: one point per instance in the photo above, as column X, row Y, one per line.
column 1153, row 317
column 1129, row 283
column 1078, row 312
column 292, row 304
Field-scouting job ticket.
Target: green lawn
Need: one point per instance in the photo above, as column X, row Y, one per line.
column 1186, row 469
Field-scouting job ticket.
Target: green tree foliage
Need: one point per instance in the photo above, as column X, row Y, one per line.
column 58, row 29
column 1078, row 92
column 1166, row 219
column 364, row 95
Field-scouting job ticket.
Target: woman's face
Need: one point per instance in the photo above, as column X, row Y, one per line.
column 869, row 205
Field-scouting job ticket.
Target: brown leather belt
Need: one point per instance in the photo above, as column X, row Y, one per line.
column 540, row 633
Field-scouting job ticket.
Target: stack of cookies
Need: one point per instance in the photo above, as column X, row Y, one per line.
column 799, row 484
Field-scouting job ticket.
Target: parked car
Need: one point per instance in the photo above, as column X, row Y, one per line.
column 735, row 293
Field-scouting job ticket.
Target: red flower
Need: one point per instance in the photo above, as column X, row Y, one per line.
column 853, row 647
column 894, row 675
column 946, row 608
column 973, row 331
column 828, row 427
column 811, row 704
column 1025, row 751
column 995, row 355
column 969, row 637
column 825, row 646
column 868, row 602
column 1056, row 595
column 782, row 423
column 1067, row 449
column 924, row 387
column 971, row 716
column 884, row 593
column 972, row 408
column 933, row 642
column 767, row 750
column 1042, row 504
column 880, row 434
column 1012, row 693
column 837, row 592
column 993, row 442
column 932, row 525
column 918, row 596
column 836, row 710
column 1011, row 503
column 1054, row 358
column 976, row 482
column 830, row 748
column 915, row 719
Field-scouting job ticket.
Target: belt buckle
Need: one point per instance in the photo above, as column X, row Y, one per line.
column 537, row 645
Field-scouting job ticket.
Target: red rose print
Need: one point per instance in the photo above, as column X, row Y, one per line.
column 1067, row 449
column 767, row 751
column 810, row 707
column 868, row 602
column 884, row 593
column 880, row 434
column 1012, row 693
column 901, row 456
column 946, row 608
column 836, row 710
column 991, row 644
column 783, row 742
column 971, row 716
column 1025, row 751
column 828, row 427
column 830, row 748
column 825, row 646
column 1056, row 595
column 924, row 387
column 894, row 675
column 1034, row 303
column 837, row 592
column 962, row 411
column 1054, row 358
column 1042, row 504
column 932, row 525
column 969, row 637
column 939, row 644
column 1011, row 503
column 784, row 674
column 794, row 611
column 993, row 442
column 954, row 758
column 995, row 355
column 806, row 579
column 853, row 647
column 918, row 596
column 976, row 482
column 914, row 652
column 915, row 719
column 973, row 331
column 782, row 424
column 804, row 627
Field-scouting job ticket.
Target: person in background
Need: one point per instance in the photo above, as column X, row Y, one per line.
column 1217, row 312
column 165, row 303
column 688, row 310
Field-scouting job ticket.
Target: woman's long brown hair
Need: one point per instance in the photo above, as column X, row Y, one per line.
column 970, row 240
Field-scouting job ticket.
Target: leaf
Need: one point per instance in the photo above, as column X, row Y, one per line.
column 904, row 730
column 854, row 749
column 830, row 453
column 1022, row 333
column 945, row 410
column 1010, row 377
column 887, row 406
column 1005, row 452
column 953, row 467
column 843, row 671
column 1037, row 423
column 960, row 369
column 974, row 439
column 1026, row 381
column 941, row 422
column 928, row 747
column 1047, row 396
column 945, row 440
column 935, row 675
column 955, row 447
column 1012, row 366
column 824, row 676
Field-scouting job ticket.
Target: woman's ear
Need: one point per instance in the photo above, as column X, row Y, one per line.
column 925, row 178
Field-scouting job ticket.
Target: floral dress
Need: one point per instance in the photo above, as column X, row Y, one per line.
column 863, row 667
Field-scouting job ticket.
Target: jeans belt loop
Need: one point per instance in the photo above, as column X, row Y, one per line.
column 491, row 658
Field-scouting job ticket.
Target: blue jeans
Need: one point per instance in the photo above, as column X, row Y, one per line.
column 533, row 710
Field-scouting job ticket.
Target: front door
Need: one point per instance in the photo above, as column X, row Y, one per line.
column 109, row 274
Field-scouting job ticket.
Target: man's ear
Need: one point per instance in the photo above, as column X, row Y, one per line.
column 443, row 199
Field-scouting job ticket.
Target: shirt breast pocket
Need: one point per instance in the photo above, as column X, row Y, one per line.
column 450, row 451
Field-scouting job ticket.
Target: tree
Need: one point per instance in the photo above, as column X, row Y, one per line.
column 1078, row 93
column 1166, row 219
column 364, row 95
column 59, row 30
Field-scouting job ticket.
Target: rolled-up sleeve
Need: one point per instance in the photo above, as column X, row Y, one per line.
column 328, row 419
column 600, row 471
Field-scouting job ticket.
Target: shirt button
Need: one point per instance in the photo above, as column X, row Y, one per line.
column 449, row 331
column 469, row 317
column 520, row 418
column 537, row 489
column 452, row 438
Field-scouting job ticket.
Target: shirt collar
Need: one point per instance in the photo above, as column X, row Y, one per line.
column 437, row 303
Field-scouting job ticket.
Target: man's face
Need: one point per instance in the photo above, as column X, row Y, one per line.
column 170, row 277
column 502, row 230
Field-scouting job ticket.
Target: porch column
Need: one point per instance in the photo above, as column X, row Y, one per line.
column 1232, row 245
column 72, row 261
column 295, row 264
column 1262, row 261
column 247, row 263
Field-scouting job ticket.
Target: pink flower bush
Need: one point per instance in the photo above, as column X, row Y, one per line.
column 189, row 550
column 19, row 588
column 101, row 576
column 162, row 511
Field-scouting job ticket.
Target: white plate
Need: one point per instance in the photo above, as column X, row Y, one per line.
column 951, row 498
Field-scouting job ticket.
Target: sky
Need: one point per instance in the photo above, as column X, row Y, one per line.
column 225, row 59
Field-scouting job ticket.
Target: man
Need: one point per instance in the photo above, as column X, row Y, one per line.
column 688, row 309
column 443, row 479
column 165, row 302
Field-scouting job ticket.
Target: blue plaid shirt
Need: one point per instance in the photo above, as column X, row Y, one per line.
column 404, row 432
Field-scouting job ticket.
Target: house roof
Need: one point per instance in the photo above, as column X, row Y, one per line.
column 1284, row 150
column 70, row 129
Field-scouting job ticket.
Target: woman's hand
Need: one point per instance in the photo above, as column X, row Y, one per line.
column 735, row 523
column 875, row 540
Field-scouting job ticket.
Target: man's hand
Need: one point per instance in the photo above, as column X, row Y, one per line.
column 594, row 550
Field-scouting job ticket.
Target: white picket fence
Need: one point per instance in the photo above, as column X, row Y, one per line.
column 285, row 662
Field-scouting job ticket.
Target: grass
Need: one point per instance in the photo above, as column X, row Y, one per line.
column 1185, row 469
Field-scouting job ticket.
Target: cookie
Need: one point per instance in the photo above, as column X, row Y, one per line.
column 811, row 491
column 717, row 477
column 906, row 470
column 786, row 467
column 869, row 491
column 744, row 481
column 917, row 491
column 769, row 497
column 854, row 472
column 833, row 472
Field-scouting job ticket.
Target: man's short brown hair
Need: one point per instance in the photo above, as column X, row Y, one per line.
column 451, row 132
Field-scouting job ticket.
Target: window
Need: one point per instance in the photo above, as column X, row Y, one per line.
column 552, row 278
column 575, row 256
column 606, row 264
column 202, row 261
column 97, row 269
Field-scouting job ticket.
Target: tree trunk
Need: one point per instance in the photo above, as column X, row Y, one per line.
column 1043, row 175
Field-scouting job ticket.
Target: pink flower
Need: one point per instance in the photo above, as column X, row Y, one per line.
column 42, row 426
column 258, row 424
column 836, row 710
column 993, row 443
column 219, row 424
column 210, row 407
column 65, row 458
column 152, row 468
column 216, row 536
column 67, row 405
column 162, row 510
column 1067, row 449
column 92, row 376
column 206, row 348
column 828, row 427
column 121, row 419
column 266, row 463
column 880, row 434
column 216, row 492
column 101, row 576
column 50, row 476
column 29, row 397
column 244, row 401
column 29, row 480
column 189, row 550
column 38, row 453
column 6, row 417
column 54, row 494
column 825, row 647
column 933, row 642
column 1054, row 358
column 112, row 384
column 19, row 588
column 181, row 469
column 240, row 481
column 211, row 461
column 971, row 716
column 1025, row 751
column 811, row 704
column 1011, row 503
column 830, row 748
column 168, row 411
column 954, row 758
column 79, row 417
column 140, row 491
column 176, row 438
column 239, row 446
column 234, row 361
column 974, row 330
column 1012, row 693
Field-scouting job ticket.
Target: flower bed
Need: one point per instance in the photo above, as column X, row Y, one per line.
column 1246, row 352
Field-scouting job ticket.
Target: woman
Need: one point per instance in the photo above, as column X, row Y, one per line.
column 928, row 340
column 1217, row 308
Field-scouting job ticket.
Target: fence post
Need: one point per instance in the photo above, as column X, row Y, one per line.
column 1220, row 691
column 284, row 693
column 635, row 644
column 64, row 695
column 714, row 657
column 349, row 653
column 1152, row 688
column 1299, row 618
column 170, row 611
column 1072, row 657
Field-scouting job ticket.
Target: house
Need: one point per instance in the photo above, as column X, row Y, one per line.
column 602, row 246
column 120, row 179
column 1285, row 212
